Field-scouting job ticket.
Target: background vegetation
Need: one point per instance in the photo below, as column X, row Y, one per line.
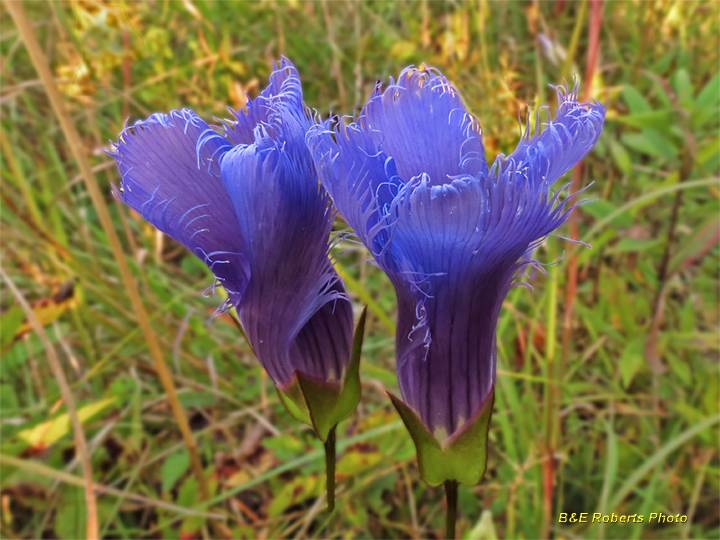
column 607, row 396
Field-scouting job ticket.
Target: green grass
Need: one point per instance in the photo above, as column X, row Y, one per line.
column 628, row 413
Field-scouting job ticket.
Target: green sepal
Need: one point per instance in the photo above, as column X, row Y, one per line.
column 323, row 404
column 461, row 457
column 292, row 398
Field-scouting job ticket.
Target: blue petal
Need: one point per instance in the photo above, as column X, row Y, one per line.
column 283, row 93
column 180, row 192
column 454, row 252
column 422, row 123
column 563, row 141
column 361, row 180
column 295, row 311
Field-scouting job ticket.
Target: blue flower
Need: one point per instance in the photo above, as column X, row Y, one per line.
column 244, row 198
column 410, row 177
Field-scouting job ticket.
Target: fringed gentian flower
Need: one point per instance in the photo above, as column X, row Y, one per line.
column 410, row 177
column 245, row 199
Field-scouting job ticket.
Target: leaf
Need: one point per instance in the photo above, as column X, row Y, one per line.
column 358, row 459
column 50, row 431
column 484, row 529
column 602, row 208
column 640, row 143
column 644, row 200
column 659, row 90
column 684, row 88
column 191, row 527
column 12, row 320
column 174, row 467
column 697, row 245
column 197, row 399
column 633, row 244
column 662, row 120
column 468, row 503
column 635, row 100
column 611, row 465
column 49, row 309
column 8, row 397
column 709, row 96
column 71, row 515
column 375, row 498
column 598, row 243
column 647, row 496
column 701, row 117
column 650, row 143
column 293, row 493
column 658, row 459
column 357, row 515
column 403, row 50
column 662, row 64
column 663, row 144
column 679, row 368
column 620, row 156
column 188, row 492
column 691, row 415
column 285, row 446
column 708, row 151
column 631, row 360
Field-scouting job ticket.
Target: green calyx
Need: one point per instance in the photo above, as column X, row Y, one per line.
column 323, row 404
column 462, row 457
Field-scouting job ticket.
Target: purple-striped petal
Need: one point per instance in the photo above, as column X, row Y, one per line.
column 361, row 180
column 295, row 311
column 283, row 91
column 179, row 190
column 421, row 121
column 557, row 145
column 454, row 252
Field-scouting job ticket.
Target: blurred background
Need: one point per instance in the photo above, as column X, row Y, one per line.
column 607, row 395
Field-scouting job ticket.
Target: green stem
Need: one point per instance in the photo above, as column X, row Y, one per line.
column 330, row 469
column 451, row 496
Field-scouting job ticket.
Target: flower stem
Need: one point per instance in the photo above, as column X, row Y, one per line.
column 451, row 496
column 330, row 469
